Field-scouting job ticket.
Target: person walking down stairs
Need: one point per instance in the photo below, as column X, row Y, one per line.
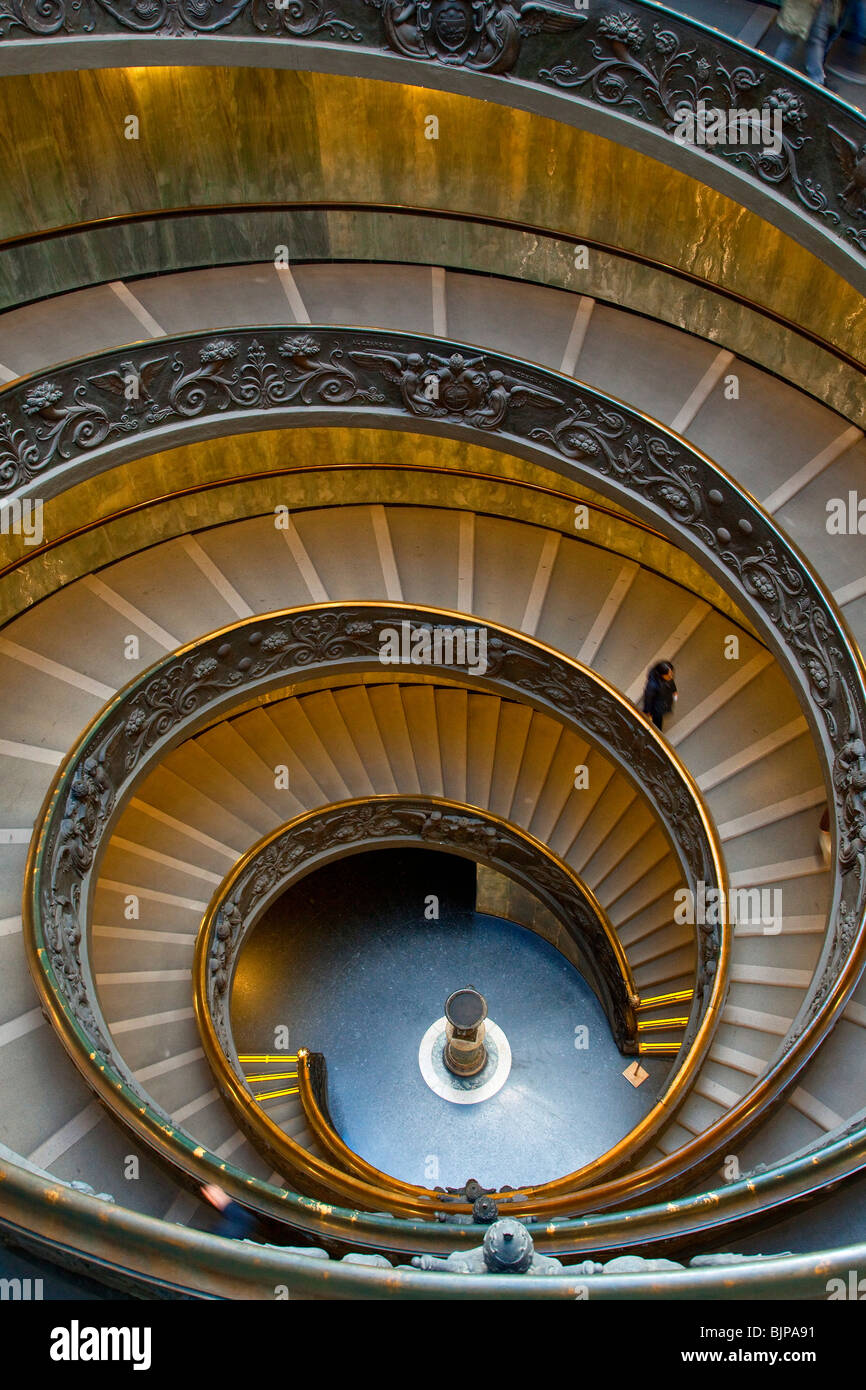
column 660, row 692
column 813, row 21
column 236, row 1222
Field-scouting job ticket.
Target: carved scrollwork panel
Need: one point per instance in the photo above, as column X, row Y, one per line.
column 660, row 69
column 56, row 420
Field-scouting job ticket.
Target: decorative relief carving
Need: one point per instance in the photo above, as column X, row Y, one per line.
column 852, row 161
column 40, row 17
column 657, row 76
column 298, row 19
column 19, row 455
column 89, row 803
column 62, row 416
column 849, row 779
column 485, row 35
column 60, row 419
column 616, row 56
column 455, row 387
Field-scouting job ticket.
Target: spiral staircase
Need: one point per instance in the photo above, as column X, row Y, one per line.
column 311, row 329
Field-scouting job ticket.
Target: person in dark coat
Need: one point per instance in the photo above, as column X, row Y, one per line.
column 660, row 692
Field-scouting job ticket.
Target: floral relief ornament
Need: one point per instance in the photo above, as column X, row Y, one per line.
column 658, row 76
column 176, row 18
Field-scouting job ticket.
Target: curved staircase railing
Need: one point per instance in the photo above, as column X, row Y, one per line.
column 337, row 375
column 318, row 837
column 324, row 836
column 646, row 463
column 75, row 420
column 639, row 54
column 188, row 688
column 623, row 63
column 146, row 1257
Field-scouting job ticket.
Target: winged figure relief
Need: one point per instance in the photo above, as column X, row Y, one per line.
column 132, row 384
column 482, row 34
column 409, row 372
column 454, row 386
column 853, row 162
column 535, row 18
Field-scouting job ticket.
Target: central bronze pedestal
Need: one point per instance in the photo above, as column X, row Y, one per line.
column 465, row 1012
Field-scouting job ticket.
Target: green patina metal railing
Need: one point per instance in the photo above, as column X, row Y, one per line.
column 155, row 1259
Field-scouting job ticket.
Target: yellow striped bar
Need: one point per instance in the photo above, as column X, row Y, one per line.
column 679, row 996
column 264, row 1059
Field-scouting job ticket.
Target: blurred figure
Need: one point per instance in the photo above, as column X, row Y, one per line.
column 854, row 20
column 235, row 1222
column 660, row 692
column 825, row 846
column 851, row 30
column 816, row 23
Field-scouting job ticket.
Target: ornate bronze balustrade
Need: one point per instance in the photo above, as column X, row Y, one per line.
column 331, row 375
column 622, row 58
column 76, row 419
column 189, row 688
column 779, row 599
column 323, row 836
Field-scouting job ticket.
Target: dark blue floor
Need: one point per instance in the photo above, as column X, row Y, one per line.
column 348, row 961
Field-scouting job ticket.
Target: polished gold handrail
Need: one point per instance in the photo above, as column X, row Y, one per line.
column 656, row 1001
column 327, row 1137
column 445, row 807
column 285, row 1151
column 275, row 1139
column 82, row 1051
column 848, row 950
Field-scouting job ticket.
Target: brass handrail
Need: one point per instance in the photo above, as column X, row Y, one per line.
column 347, row 633
column 718, row 521
column 217, row 955
column 216, row 1035
column 146, row 1257
column 325, row 1134
column 437, row 822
